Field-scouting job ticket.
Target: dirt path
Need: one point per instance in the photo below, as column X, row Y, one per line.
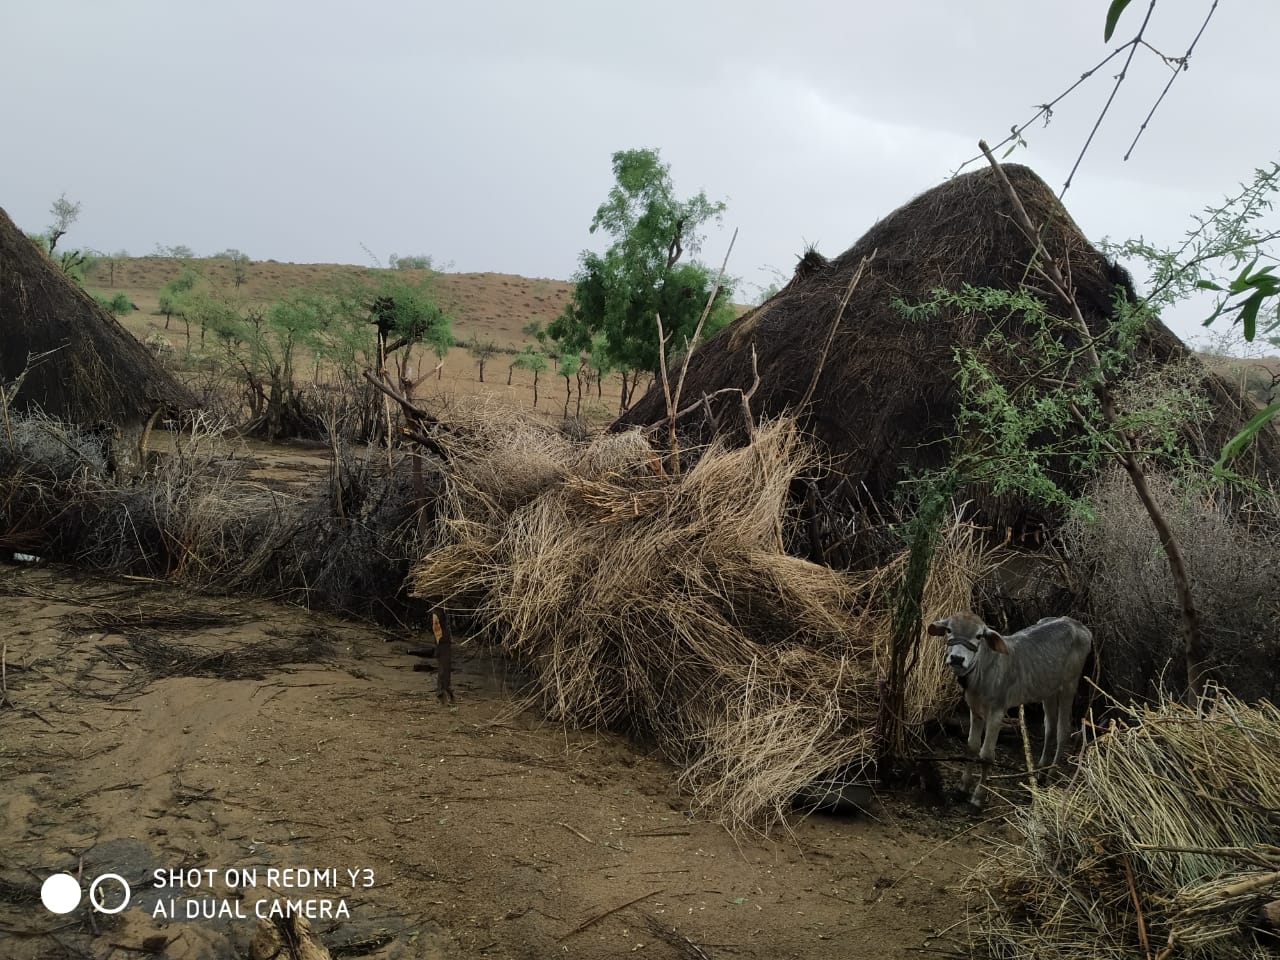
column 147, row 729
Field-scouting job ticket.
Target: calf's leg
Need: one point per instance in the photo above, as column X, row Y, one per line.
column 1050, row 727
column 971, row 749
column 1065, row 696
column 987, row 754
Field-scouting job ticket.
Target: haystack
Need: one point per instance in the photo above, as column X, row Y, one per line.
column 886, row 401
column 1164, row 843
column 89, row 368
column 660, row 607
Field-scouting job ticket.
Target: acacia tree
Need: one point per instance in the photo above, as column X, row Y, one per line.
column 1067, row 409
column 239, row 265
column 1220, row 255
column 533, row 360
column 571, row 370
column 172, row 295
column 65, row 213
column 619, row 294
column 482, row 351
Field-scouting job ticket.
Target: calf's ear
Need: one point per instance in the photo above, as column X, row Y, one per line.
column 995, row 641
column 938, row 628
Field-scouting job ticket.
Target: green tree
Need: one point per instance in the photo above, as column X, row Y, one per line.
column 419, row 261
column 179, row 251
column 406, row 313
column 533, row 360
column 266, row 345
column 1065, row 409
column 1220, row 256
column 110, row 260
column 119, row 305
column 571, row 369
column 239, row 265
column 172, row 294
column 210, row 313
column 482, row 351
column 620, row 294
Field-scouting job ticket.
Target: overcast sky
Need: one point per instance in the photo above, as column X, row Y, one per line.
column 481, row 133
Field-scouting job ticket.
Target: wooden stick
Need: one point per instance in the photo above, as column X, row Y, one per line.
column 1137, row 907
column 591, row 921
column 1252, row 883
column 835, row 324
column 575, row 832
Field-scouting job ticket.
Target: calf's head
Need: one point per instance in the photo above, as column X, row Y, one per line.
column 965, row 633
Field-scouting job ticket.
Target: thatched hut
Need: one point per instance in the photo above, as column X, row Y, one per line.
column 886, row 401
column 77, row 362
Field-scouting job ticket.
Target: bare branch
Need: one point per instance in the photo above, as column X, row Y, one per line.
column 1177, row 65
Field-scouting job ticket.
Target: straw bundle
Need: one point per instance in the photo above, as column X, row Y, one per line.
column 667, row 607
column 1164, row 843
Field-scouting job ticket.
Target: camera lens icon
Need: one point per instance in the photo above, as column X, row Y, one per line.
column 60, row 893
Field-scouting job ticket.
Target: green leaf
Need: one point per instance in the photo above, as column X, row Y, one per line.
column 1236, row 444
column 1249, row 315
column 1113, row 17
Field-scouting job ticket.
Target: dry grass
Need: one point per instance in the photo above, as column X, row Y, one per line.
column 668, row 608
column 1164, row 843
column 1229, row 544
column 194, row 518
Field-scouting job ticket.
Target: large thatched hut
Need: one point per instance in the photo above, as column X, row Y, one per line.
column 76, row 361
column 885, row 403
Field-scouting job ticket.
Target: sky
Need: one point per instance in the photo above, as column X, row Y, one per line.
column 480, row 133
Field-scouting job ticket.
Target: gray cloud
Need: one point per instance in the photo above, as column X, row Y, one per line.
column 481, row 133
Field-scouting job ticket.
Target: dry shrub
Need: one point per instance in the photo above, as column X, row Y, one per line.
column 194, row 519
column 667, row 607
column 1231, row 552
column 50, row 448
column 188, row 518
column 1167, row 831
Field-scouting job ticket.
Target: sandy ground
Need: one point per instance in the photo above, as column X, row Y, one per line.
column 148, row 729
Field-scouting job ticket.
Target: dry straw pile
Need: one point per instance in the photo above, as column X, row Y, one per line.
column 1165, row 843
column 668, row 608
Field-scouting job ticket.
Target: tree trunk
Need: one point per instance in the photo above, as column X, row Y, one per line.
column 481, row 362
column 510, row 372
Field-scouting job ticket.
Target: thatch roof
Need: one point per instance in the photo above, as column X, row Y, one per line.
column 97, row 371
column 887, row 397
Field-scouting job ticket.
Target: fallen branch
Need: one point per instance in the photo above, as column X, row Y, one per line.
column 575, row 832
column 592, row 921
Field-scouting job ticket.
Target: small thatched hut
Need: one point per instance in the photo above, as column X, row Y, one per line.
column 80, row 364
column 886, row 400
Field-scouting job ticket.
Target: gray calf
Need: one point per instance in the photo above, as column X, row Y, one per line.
column 1039, row 663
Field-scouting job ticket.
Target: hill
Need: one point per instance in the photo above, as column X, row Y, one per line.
column 493, row 305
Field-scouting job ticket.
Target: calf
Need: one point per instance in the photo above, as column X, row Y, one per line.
column 1038, row 663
